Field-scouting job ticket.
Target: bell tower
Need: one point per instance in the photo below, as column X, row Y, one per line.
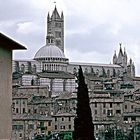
column 55, row 26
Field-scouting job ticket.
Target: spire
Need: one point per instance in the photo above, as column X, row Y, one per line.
column 130, row 61
column 62, row 16
column 121, row 52
column 48, row 17
column 125, row 57
column 120, row 59
column 55, row 13
column 115, row 54
column 124, row 51
column 115, row 58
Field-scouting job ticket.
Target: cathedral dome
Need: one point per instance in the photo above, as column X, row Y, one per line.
column 50, row 51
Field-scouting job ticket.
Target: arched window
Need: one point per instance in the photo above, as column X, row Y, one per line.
column 22, row 68
column 92, row 70
column 32, row 82
column 34, row 69
column 16, row 66
column 108, row 73
column 45, row 68
column 29, row 67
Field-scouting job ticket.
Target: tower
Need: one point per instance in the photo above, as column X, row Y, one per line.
column 55, row 26
column 120, row 57
column 131, row 69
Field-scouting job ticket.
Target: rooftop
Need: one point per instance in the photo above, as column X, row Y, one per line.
column 8, row 43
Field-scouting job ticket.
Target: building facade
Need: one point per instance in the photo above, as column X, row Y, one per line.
column 7, row 45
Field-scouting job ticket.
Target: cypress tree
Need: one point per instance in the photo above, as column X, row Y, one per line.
column 83, row 126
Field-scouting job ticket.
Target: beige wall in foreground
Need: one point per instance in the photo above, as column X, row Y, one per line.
column 5, row 93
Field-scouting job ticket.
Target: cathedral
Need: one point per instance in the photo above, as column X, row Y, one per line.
column 44, row 89
column 51, row 67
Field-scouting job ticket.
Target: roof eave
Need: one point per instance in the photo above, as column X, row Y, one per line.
column 9, row 43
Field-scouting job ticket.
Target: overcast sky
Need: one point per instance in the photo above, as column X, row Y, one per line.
column 93, row 28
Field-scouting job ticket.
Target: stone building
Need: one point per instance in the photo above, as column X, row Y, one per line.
column 46, row 87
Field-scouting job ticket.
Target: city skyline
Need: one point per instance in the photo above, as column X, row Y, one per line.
column 92, row 28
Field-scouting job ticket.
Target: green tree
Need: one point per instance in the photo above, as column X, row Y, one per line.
column 83, row 126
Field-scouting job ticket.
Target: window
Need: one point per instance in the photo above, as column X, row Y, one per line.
column 35, row 110
column 41, row 124
column 29, row 110
column 55, row 127
column 69, row 126
column 108, row 73
column 20, row 135
column 32, row 82
column 125, row 119
column 22, row 68
column 23, row 102
column 55, row 119
column 110, row 105
column 118, row 111
column 109, row 112
column 95, row 104
column 104, row 105
column 62, row 127
column 62, row 119
column 133, row 118
column 132, row 106
column 34, row 68
column 69, row 118
column 23, row 110
column 125, row 106
column 95, row 111
column 17, row 110
column 16, row 102
column 96, row 126
column 49, row 123
column 104, row 111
